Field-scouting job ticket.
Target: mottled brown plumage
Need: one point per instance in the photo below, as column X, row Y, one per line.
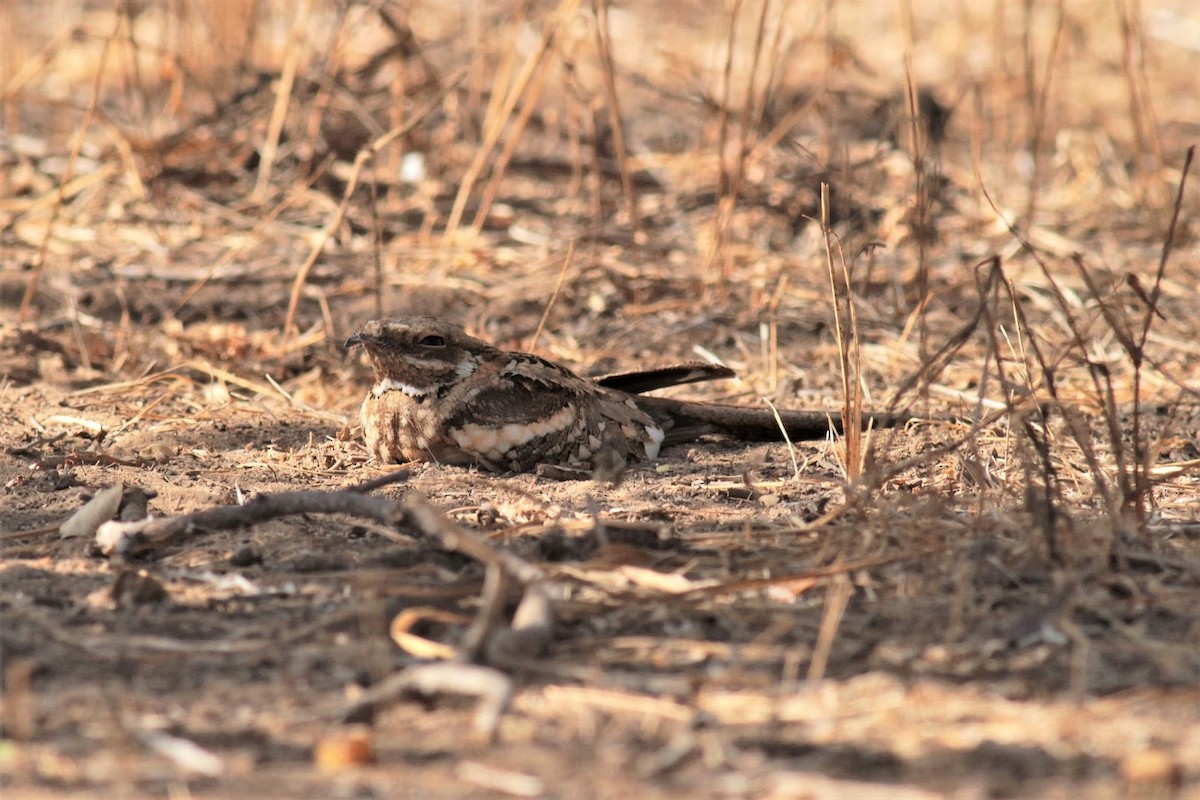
column 441, row 395
column 444, row 396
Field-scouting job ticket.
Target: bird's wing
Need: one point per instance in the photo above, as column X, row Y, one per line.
column 647, row 380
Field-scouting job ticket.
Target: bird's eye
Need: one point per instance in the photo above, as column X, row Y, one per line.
column 432, row 340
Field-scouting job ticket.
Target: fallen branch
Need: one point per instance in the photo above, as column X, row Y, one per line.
column 132, row 538
column 491, row 687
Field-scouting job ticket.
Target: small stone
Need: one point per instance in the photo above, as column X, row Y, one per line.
column 344, row 750
column 1152, row 767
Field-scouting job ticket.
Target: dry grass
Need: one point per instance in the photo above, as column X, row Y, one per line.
column 977, row 209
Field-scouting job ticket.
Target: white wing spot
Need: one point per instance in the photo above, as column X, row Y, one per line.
column 654, row 443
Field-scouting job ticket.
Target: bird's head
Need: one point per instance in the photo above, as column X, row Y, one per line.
column 418, row 355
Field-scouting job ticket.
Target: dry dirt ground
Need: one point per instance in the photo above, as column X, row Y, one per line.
column 1003, row 605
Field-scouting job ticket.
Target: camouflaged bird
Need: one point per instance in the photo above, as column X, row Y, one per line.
column 442, row 395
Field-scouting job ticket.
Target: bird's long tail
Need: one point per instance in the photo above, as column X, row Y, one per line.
column 685, row 420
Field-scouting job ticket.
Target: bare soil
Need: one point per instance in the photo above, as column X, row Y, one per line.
column 1000, row 606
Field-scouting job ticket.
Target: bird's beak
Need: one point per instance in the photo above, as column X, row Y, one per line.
column 355, row 340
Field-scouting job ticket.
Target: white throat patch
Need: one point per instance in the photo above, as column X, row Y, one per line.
column 392, row 385
column 467, row 366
